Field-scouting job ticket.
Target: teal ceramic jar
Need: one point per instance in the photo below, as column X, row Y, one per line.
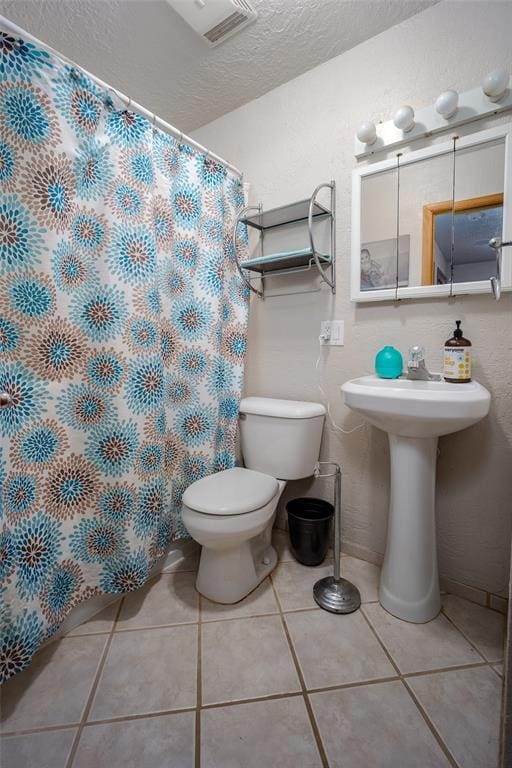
column 388, row 363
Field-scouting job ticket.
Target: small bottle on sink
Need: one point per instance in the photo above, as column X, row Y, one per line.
column 457, row 358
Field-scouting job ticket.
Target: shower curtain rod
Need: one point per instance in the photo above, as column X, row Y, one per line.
column 133, row 106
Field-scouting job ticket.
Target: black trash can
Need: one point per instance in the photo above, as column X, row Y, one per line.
column 309, row 524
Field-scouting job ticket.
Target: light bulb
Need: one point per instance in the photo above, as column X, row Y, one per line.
column 404, row 118
column 495, row 84
column 366, row 132
column 447, row 103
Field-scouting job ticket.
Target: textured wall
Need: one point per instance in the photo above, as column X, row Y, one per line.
column 145, row 49
column 302, row 133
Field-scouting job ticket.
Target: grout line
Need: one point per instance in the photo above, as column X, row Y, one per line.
column 421, row 710
column 453, row 668
column 355, row 684
column 94, row 687
column 307, row 702
column 388, row 654
column 237, row 618
column 43, row 729
column 120, row 629
column 125, row 630
column 85, row 634
column 199, row 687
column 143, row 716
column 254, row 700
column 269, row 697
column 437, row 736
column 304, row 692
column 466, row 638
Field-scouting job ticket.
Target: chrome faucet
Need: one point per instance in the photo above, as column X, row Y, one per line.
column 416, row 366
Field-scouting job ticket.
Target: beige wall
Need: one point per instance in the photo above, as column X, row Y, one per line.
column 301, row 134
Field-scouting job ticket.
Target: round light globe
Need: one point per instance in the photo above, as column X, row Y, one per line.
column 495, row 84
column 404, row 119
column 366, row 132
column 447, row 103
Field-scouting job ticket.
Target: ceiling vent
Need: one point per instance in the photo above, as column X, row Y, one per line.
column 215, row 20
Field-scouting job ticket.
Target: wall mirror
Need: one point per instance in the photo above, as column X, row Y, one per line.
column 422, row 221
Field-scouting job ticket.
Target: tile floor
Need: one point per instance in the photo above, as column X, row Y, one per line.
column 163, row 679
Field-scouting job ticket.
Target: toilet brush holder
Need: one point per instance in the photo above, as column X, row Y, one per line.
column 333, row 593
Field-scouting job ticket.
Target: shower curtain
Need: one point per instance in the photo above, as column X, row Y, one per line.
column 122, row 341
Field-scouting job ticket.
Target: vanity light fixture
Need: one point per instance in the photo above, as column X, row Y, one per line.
column 404, row 118
column 495, row 84
column 451, row 109
column 447, row 103
column 366, row 132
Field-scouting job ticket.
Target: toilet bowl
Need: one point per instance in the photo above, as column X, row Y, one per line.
column 231, row 513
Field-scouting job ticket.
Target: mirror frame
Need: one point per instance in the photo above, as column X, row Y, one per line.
column 503, row 131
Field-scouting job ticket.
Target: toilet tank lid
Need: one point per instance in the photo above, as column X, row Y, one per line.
column 231, row 492
column 283, row 409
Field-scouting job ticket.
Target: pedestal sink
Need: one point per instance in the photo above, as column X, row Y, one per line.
column 414, row 414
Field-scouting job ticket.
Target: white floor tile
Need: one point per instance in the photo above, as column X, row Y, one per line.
column 364, row 575
column 464, row 705
column 262, row 734
column 49, row 749
column 101, row 622
column 151, row 742
column 375, row 725
column 334, row 649
column 420, row 647
column 244, row 659
column 170, row 599
column 259, row 602
column 294, row 583
column 55, row 688
column 483, row 627
column 148, row 670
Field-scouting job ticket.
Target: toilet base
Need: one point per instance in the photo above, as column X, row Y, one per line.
column 228, row 575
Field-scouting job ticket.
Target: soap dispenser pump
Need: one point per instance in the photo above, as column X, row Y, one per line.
column 457, row 357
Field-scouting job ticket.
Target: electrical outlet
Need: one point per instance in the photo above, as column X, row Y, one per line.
column 332, row 333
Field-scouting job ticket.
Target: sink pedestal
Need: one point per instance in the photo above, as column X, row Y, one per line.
column 414, row 413
column 409, row 584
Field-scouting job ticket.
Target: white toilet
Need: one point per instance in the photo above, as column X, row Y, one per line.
column 231, row 513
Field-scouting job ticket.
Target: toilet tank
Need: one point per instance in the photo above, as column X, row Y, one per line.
column 281, row 437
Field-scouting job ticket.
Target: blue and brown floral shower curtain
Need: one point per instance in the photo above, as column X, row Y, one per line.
column 122, row 341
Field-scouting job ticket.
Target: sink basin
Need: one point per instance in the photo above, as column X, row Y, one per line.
column 414, row 414
column 417, row 408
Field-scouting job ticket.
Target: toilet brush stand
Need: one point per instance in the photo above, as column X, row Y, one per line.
column 333, row 593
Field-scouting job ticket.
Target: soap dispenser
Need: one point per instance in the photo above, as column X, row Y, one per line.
column 457, row 357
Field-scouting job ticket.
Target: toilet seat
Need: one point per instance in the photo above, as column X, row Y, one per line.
column 233, row 491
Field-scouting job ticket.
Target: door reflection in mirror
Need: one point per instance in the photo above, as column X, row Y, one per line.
column 476, row 221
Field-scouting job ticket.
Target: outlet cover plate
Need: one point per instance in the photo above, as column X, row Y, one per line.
column 332, row 333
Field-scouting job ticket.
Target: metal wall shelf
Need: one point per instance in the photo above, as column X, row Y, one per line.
column 274, row 262
column 289, row 262
column 285, row 214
